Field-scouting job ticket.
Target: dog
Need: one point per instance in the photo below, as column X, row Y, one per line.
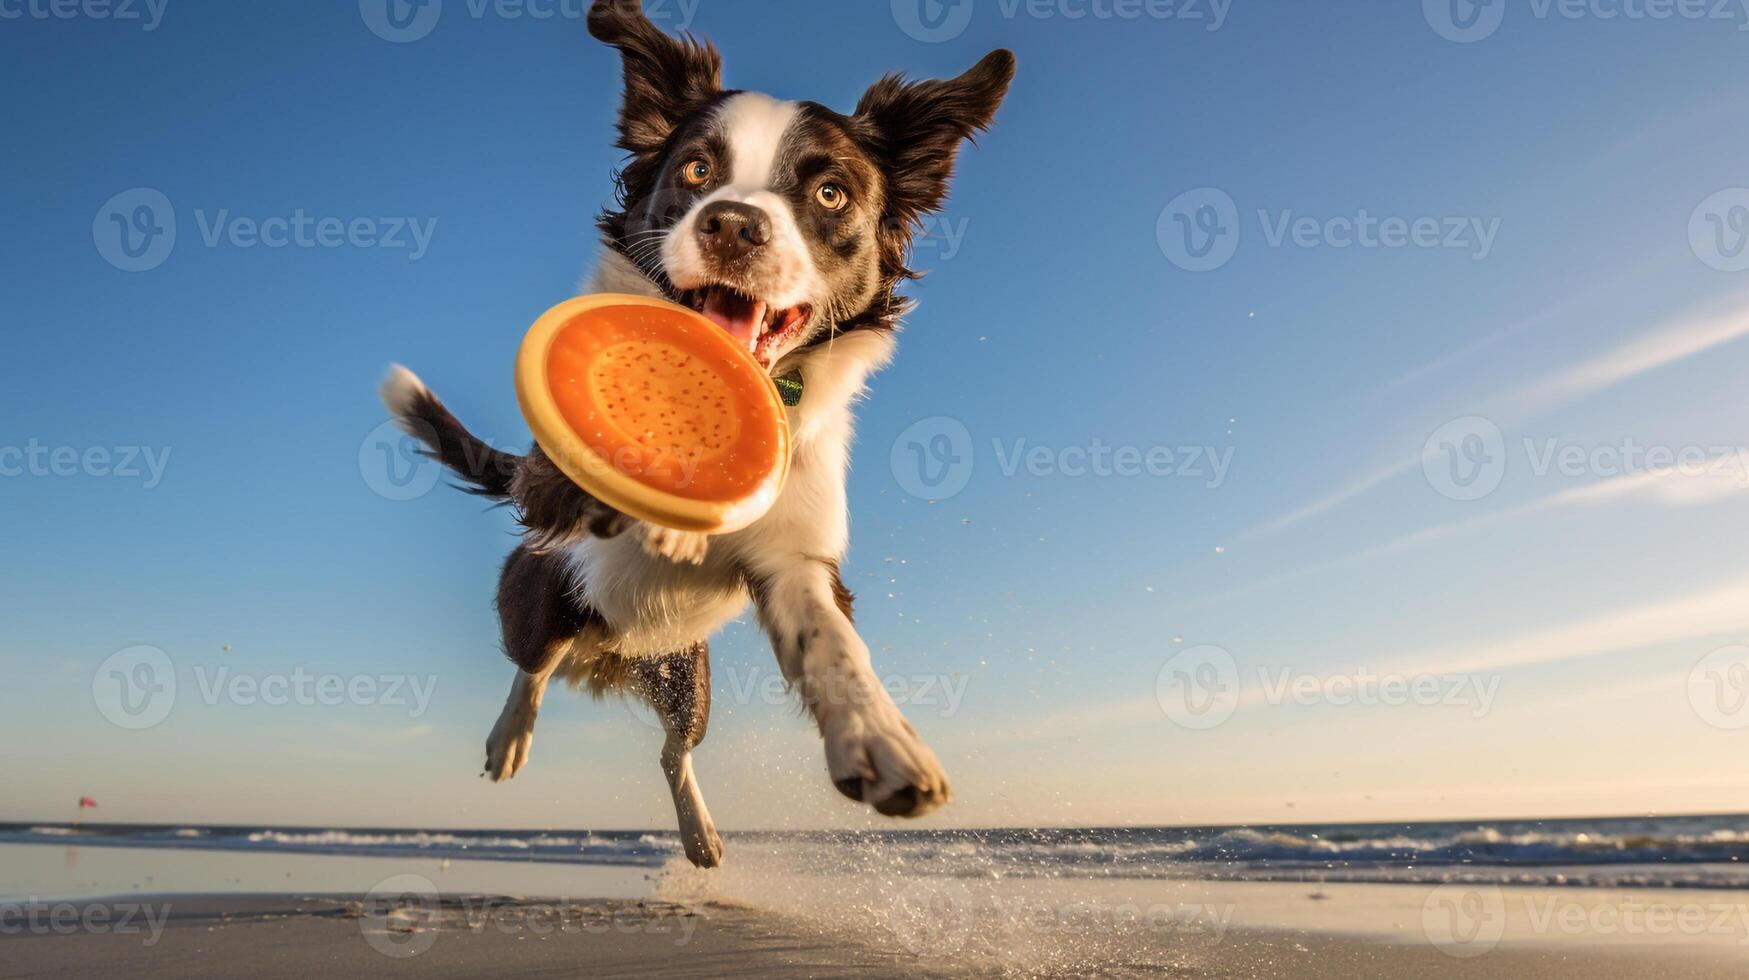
column 789, row 225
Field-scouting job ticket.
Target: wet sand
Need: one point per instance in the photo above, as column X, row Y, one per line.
column 267, row 938
column 92, row 911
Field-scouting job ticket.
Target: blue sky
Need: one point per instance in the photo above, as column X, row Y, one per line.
column 1580, row 295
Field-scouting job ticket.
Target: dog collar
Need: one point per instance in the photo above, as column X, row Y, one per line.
column 789, row 388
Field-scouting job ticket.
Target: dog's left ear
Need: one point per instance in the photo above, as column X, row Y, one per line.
column 916, row 129
column 666, row 78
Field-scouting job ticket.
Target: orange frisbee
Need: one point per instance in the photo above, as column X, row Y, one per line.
column 655, row 411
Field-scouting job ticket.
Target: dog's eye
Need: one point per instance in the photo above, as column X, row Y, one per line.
column 696, row 172
column 832, row 197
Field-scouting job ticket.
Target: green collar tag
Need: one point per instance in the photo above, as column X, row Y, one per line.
column 789, row 388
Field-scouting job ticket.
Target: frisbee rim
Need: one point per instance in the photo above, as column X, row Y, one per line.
column 595, row 475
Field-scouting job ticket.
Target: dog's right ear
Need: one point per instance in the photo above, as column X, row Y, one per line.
column 666, row 78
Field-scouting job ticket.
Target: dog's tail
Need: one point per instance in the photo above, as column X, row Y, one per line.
column 485, row 471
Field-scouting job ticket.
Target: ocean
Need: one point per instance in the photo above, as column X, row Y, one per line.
column 1650, row 851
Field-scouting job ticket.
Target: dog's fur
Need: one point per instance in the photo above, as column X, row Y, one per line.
column 603, row 601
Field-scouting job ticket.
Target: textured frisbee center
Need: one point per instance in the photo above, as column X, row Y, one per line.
column 665, row 398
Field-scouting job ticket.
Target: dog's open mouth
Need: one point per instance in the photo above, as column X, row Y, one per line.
column 752, row 322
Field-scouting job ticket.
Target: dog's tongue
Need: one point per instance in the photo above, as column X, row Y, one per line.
column 740, row 316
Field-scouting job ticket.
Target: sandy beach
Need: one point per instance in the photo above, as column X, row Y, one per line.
column 97, row 911
column 272, row 937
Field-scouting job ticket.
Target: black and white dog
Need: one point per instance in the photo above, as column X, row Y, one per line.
column 789, row 225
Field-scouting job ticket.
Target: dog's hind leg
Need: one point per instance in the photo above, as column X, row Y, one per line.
column 512, row 736
column 540, row 621
column 678, row 685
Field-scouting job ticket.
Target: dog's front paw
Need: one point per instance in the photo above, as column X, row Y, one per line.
column 686, row 547
column 874, row 755
column 508, row 746
column 704, row 847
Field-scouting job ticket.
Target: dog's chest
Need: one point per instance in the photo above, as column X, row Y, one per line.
column 653, row 605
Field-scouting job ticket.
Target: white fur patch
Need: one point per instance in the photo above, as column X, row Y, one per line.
column 399, row 389
column 755, row 125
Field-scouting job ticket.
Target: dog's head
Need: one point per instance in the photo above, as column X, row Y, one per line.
column 784, row 222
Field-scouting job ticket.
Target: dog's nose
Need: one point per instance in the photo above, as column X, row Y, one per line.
column 731, row 230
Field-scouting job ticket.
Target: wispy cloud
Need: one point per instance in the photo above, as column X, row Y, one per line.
column 404, row 734
column 1711, row 480
column 1721, row 609
column 1665, row 126
column 1674, row 342
column 1330, row 501
column 1717, row 611
column 1513, row 329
